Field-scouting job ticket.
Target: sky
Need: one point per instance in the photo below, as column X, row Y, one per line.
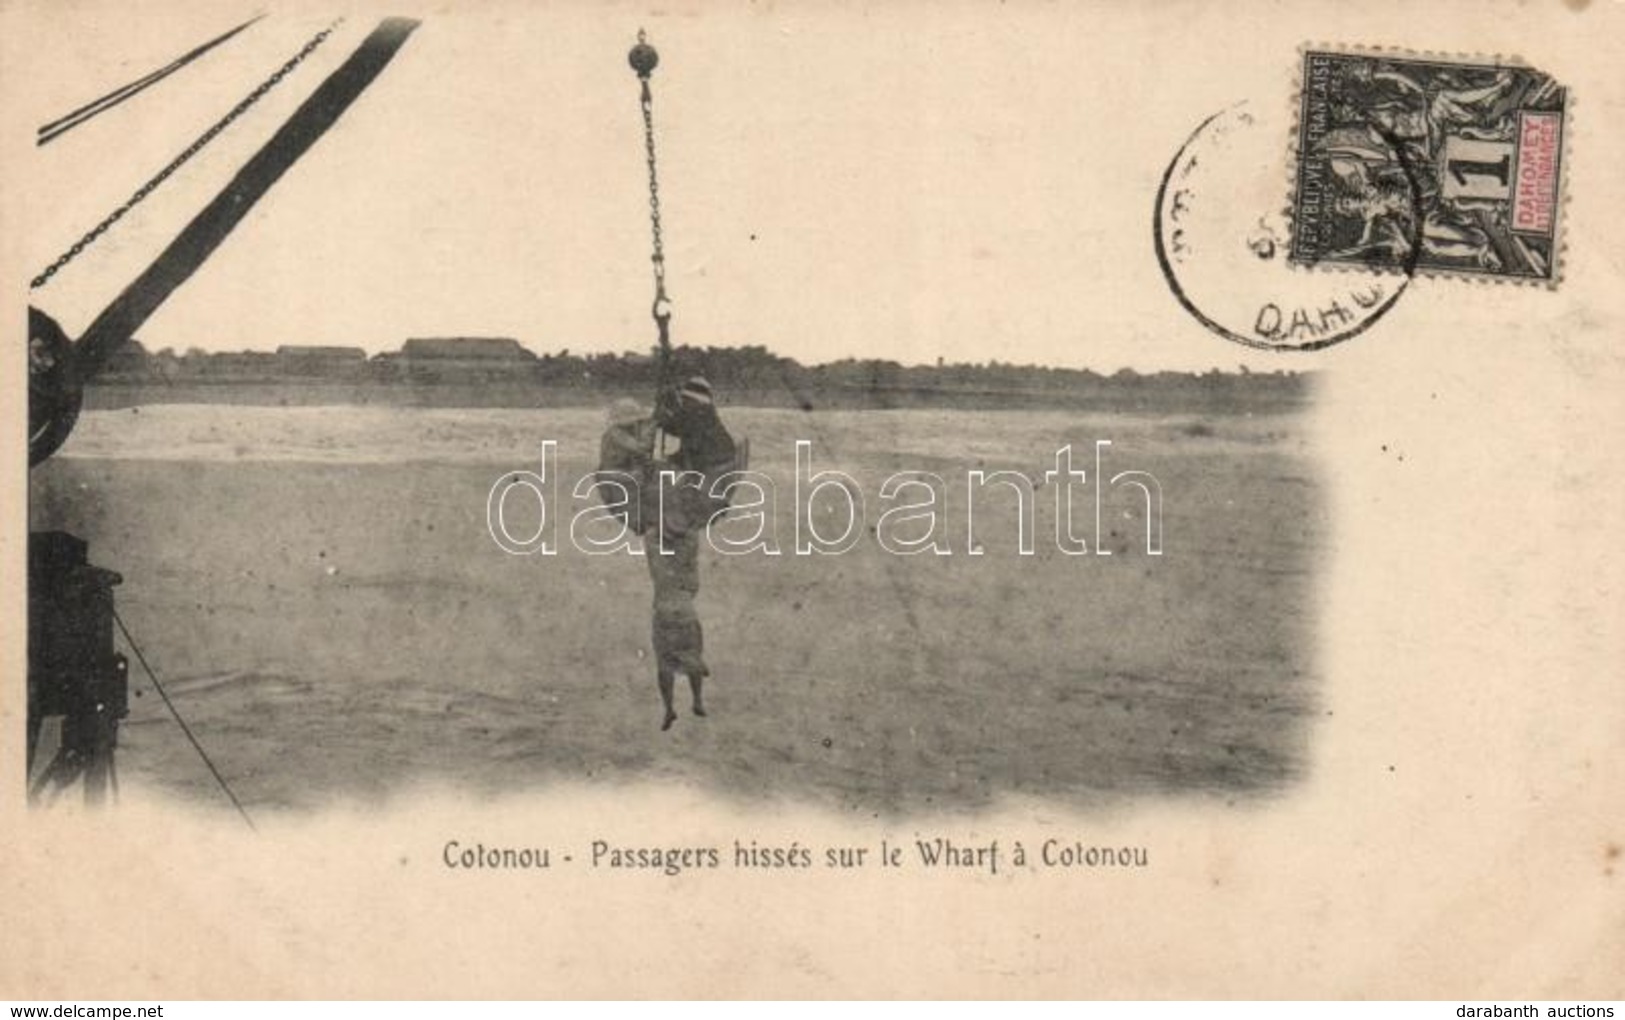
column 910, row 182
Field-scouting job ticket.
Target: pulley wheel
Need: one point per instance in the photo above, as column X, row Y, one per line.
column 55, row 391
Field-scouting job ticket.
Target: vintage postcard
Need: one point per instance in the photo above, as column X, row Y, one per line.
column 831, row 500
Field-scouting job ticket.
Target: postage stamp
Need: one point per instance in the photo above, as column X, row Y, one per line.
column 1449, row 167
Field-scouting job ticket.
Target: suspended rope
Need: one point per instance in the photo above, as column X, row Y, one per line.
column 644, row 59
column 218, row 778
column 191, row 150
column 62, row 125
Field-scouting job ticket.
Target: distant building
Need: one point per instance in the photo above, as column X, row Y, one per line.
column 321, row 352
column 246, row 366
column 129, row 359
column 472, row 348
column 316, row 359
column 463, row 359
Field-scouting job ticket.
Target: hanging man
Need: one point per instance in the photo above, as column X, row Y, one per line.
column 672, row 543
column 625, row 462
column 684, row 506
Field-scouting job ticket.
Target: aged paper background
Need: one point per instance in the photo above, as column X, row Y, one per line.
column 1459, row 832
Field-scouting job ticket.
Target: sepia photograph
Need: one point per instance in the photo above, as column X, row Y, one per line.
column 935, row 501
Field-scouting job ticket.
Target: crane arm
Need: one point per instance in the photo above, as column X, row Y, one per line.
column 176, row 264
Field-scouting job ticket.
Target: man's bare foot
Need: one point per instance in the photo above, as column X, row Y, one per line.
column 667, row 680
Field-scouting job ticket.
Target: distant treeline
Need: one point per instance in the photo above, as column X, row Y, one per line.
column 500, row 372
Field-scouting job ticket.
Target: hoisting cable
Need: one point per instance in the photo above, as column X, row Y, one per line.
column 176, row 713
column 191, row 150
column 644, row 59
column 62, row 125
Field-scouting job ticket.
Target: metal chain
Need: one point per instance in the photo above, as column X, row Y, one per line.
column 191, row 150
column 644, row 60
column 659, row 257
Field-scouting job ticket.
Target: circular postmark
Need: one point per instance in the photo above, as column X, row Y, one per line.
column 1222, row 234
